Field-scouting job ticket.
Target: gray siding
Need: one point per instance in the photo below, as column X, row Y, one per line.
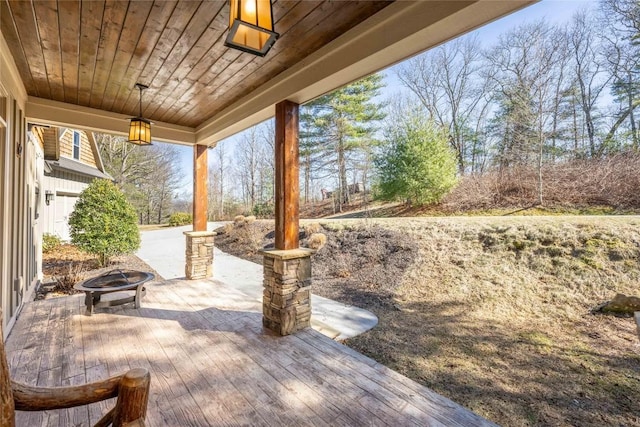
column 61, row 184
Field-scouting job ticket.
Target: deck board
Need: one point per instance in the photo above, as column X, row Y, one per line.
column 212, row 364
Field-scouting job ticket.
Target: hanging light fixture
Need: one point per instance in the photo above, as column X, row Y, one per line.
column 251, row 26
column 140, row 128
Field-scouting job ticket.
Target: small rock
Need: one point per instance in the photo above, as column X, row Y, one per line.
column 622, row 304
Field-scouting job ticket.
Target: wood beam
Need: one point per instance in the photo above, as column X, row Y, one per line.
column 61, row 114
column 287, row 167
column 200, row 178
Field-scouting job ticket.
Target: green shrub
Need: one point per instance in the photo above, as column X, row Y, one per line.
column 50, row 242
column 103, row 222
column 263, row 210
column 416, row 164
column 180, row 218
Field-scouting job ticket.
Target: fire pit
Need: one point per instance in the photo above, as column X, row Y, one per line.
column 114, row 281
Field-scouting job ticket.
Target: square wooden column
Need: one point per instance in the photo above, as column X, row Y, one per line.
column 199, row 250
column 200, row 177
column 286, row 301
column 287, row 176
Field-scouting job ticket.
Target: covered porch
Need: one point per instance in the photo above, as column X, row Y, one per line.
column 79, row 64
column 212, row 363
column 75, row 64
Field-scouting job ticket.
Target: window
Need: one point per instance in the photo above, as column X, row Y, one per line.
column 76, row 145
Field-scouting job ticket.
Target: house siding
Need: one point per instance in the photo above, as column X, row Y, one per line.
column 49, row 141
column 66, row 147
column 61, row 183
column 64, row 182
column 20, row 170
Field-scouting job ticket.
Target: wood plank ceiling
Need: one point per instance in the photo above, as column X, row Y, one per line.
column 91, row 53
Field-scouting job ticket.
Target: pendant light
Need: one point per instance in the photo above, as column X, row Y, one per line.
column 140, row 128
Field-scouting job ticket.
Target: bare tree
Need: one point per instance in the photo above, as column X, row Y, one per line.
column 590, row 71
column 448, row 82
column 165, row 179
column 255, row 164
column 622, row 41
column 525, row 65
column 247, row 154
column 267, row 136
column 125, row 162
column 148, row 176
column 623, row 16
column 217, row 181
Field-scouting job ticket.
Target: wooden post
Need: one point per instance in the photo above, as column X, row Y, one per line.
column 287, row 169
column 7, row 408
column 133, row 397
column 200, row 171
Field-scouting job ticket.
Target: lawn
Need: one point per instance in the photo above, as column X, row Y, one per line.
column 497, row 313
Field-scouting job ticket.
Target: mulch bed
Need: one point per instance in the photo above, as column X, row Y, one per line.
column 67, row 265
column 357, row 266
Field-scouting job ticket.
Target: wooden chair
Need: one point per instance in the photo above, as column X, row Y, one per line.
column 131, row 389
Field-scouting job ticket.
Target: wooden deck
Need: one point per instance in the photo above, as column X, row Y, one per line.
column 212, row 363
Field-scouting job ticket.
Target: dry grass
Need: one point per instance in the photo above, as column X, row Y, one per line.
column 317, row 241
column 495, row 312
column 311, row 228
column 580, row 187
column 74, row 273
column 611, row 182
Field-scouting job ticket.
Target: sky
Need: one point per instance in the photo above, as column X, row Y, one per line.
column 552, row 11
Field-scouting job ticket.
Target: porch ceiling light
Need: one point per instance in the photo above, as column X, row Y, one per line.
column 140, row 128
column 251, row 26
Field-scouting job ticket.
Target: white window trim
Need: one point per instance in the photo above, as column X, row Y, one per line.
column 73, row 145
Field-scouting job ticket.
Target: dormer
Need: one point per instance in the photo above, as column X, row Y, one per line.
column 76, row 145
column 72, row 144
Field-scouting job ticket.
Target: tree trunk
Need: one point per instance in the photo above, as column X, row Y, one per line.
column 632, row 121
column 342, row 172
column 575, row 128
column 307, row 177
column 540, row 175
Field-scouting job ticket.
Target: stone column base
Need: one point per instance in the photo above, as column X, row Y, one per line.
column 286, row 302
column 199, row 254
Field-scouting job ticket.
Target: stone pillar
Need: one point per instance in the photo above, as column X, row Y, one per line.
column 199, row 254
column 286, row 302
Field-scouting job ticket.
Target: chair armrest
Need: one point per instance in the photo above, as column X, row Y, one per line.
column 30, row 398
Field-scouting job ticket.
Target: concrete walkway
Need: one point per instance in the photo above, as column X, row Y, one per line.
column 164, row 251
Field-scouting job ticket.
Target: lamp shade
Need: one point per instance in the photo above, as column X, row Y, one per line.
column 140, row 131
column 251, row 26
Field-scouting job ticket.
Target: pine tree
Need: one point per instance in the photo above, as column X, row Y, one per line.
column 514, row 125
column 337, row 129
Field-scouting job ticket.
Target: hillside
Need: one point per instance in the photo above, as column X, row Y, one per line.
column 495, row 313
